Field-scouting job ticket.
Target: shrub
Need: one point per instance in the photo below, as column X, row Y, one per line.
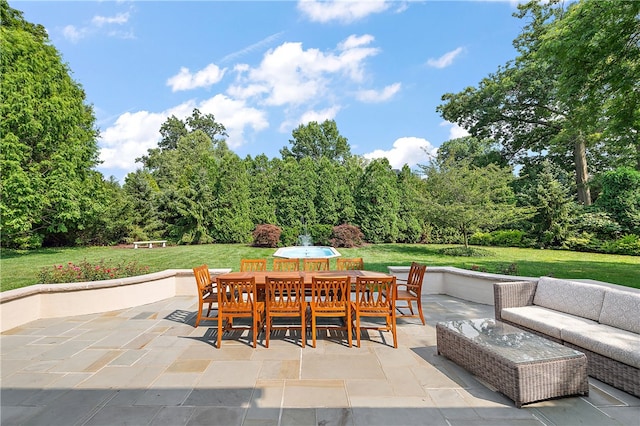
column 481, row 239
column 321, row 234
column 289, row 236
column 266, row 235
column 346, row 235
column 85, row 271
column 465, row 252
column 629, row 244
column 506, row 238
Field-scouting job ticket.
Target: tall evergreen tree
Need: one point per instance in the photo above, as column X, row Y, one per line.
column 48, row 139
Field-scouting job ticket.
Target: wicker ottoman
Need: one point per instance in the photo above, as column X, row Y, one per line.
column 521, row 365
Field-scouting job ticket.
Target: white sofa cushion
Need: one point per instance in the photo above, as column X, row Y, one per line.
column 544, row 320
column 621, row 309
column 612, row 342
column 583, row 300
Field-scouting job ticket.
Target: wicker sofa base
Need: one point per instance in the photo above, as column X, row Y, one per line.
column 524, row 383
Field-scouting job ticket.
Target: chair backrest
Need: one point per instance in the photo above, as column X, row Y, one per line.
column 311, row 264
column 236, row 295
column 284, row 294
column 331, row 293
column 203, row 279
column 286, row 265
column 253, row 265
column 375, row 294
column 349, row 264
column 416, row 275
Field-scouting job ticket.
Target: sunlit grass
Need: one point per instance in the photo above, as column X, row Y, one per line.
column 20, row 269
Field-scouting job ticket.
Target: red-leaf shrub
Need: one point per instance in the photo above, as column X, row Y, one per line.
column 346, row 235
column 266, row 235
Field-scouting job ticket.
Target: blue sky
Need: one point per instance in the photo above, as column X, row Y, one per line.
column 378, row 68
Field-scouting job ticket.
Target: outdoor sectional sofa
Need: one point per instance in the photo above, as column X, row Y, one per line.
column 600, row 321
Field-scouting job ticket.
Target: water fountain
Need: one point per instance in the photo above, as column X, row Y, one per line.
column 305, row 248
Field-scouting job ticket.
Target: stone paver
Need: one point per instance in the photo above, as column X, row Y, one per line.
column 148, row 365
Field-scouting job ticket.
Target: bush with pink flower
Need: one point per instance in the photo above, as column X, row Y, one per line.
column 87, row 271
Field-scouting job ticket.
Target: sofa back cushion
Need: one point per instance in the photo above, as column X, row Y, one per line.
column 621, row 309
column 580, row 299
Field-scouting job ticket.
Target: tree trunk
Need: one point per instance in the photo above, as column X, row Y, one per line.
column 582, row 176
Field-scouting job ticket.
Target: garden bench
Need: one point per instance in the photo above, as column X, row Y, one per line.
column 149, row 243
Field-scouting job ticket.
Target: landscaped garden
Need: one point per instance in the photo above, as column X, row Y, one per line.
column 21, row 269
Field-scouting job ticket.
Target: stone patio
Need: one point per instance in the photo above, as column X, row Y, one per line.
column 148, row 365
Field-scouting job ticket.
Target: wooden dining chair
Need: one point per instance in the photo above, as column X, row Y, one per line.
column 253, row 265
column 312, row 264
column 207, row 293
column 375, row 297
column 285, row 298
column 410, row 290
column 286, row 265
column 237, row 299
column 331, row 297
column 349, row 264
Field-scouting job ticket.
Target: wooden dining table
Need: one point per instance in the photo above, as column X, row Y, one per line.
column 261, row 277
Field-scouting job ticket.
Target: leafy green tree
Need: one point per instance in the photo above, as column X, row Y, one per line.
column 471, row 198
column 546, row 101
column 553, row 205
column 317, row 141
column 327, row 200
column 620, row 198
column 596, row 45
column 410, row 212
column 231, row 218
column 481, row 152
column 48, row 144
column 173, row 129
column 142, row 192
column 262, row 174
column 294, row 194
column 377, row 203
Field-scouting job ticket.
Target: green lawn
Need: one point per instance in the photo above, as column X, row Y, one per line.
column 19, row 269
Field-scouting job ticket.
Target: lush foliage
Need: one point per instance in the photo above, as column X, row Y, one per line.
column 47, row 141
column 87, row 271
column 552, row 161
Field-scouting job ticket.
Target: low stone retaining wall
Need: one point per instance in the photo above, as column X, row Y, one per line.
column 38, row 301
column 23, row 305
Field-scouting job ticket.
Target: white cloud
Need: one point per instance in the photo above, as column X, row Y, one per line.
column 291, row 75
column 446, row 59
column 206, row 77
column 406, row 150
column 255, row 46
column 345, row 11
column 133, row 134
column 373, row 96
column 100, row 25
column 73, row 34
column 119, row 19
column 309, row 116
column 455, row 131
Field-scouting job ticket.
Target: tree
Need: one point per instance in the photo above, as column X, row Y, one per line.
column 48, row 144
column 377, row 203
column 552, row 203
column 596, row 45
column 526, row 105
column 481, row 152
column 469, row 198
column 262, row 174
column 231, row 218
column 410, row 212
column 620, row 198
column 317, row 141
column 174, row 128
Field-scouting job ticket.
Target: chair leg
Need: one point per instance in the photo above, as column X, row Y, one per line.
column 349, row 331
column 255, row 332
column 313, row 329
column 303, row 327
column 358, row 330
column 419, row 300
column 219, row 331
column 199, row 314
column 267, row 331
